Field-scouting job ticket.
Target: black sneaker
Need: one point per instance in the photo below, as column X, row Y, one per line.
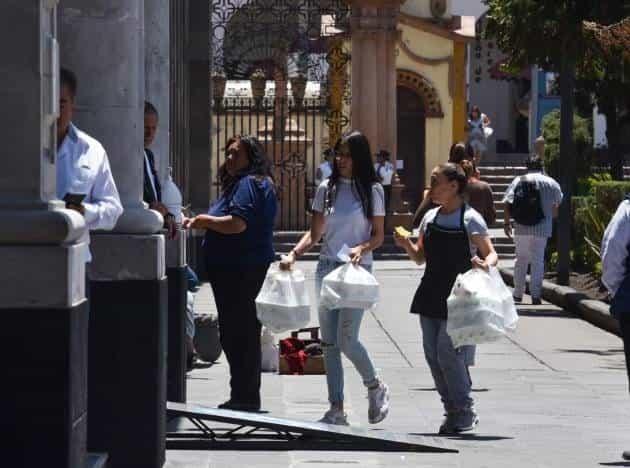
column 517, row 300
column 239, row 406
column 626, row 455
column 536, row 301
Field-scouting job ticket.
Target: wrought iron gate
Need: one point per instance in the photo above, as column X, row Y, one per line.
column 280, row 71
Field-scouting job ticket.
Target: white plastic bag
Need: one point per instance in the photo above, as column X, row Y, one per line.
column 282, row 303
column 270, row 354
column 480, row 308
column 349, row 286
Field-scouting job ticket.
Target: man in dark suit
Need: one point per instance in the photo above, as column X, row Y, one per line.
column 152, row 188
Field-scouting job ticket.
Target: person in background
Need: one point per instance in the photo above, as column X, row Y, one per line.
column 238, row 248
column 478, row 132
column 453, row 239
column 152, row 193
column 615, row 252
column 385, row 171
column 83, row 167
column 479, row 193
column 324, row 170
column 456, row 154
column 531, row 241
column 349, row 208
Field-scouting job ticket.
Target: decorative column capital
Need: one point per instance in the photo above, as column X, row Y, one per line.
column 374, row 16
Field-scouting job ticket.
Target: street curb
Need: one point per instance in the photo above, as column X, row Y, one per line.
column 575, row 302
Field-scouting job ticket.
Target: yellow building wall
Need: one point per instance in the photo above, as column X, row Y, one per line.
column 439, row 134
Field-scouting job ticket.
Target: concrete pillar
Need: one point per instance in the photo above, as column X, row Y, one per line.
column 157, row 89
column 374, row 34
column 200, row 175
column 373, row 31
column 157, row 76
column 43, row 337
column 102, row 41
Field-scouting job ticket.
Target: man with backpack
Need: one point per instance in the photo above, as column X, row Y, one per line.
column 532, row 201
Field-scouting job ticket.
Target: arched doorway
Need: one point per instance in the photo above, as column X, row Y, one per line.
column 411, row 117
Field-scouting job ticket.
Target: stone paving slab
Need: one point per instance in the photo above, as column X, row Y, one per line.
column 552, row 395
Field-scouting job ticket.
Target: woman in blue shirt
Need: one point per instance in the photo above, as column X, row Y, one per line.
column 238, row 248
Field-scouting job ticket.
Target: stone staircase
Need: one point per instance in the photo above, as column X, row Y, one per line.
column 499, row 177
column 495, row 173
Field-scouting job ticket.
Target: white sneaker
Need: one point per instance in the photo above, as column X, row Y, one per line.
column 335, row 417
column 379, row 403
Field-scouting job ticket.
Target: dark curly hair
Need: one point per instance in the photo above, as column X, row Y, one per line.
column 259, row 164
column 454, row 172
column 363, row 174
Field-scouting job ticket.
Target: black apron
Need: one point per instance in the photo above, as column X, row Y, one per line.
column 447, row 254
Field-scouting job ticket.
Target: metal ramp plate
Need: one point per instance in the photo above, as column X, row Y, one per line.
column 254, row 431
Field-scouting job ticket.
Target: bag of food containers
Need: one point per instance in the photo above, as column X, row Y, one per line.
column 480, row 308
column 283, row 303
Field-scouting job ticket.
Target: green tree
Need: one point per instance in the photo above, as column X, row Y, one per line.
column 548, row 33
column 602, row 75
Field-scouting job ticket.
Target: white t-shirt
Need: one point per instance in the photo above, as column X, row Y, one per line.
column 385, row 172
column 473, row 222
column 346, row 223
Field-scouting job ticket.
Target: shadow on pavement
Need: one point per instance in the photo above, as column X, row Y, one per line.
column 471, row 437
column 616, row 464
column 524, row 312
column 429, row 389
column 598, row 352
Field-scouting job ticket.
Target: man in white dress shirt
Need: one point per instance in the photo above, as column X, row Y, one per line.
column 83, row 168
column 616, row 274
column 385, row 171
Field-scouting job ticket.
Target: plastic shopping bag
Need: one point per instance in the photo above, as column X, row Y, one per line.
column 349, row 286
column 283, row 303
column 269, row 352
column 480, row 308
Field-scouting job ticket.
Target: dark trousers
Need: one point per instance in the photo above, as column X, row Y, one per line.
column 624, row 323
column 235, row 292
column 388, row 196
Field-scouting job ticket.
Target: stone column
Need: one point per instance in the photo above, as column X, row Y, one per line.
column 43, row 337
column 201, row 175
column 157, row 76
column 374, row 34
column 157, row 90
column 102, row 41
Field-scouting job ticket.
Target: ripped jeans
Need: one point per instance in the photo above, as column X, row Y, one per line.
column 340, row 333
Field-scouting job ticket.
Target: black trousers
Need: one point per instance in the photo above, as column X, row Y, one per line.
column 387, row 189
column 235, row 292
column 624, row 323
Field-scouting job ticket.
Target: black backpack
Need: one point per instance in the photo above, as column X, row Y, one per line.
column 527, row 208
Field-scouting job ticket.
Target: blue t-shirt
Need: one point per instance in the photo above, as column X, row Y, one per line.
column 255, row 202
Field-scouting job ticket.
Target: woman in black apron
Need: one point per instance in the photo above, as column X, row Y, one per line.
column 448, row 236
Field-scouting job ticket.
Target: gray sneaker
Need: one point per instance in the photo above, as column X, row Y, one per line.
column 448, row 425
column 466, row 420
column 378, row 403
column 335, row 417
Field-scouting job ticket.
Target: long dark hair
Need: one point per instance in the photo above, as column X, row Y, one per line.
column 259, row 164
column 363, row 174
column 475, row 109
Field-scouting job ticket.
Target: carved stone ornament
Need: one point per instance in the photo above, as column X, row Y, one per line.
column 438, row 8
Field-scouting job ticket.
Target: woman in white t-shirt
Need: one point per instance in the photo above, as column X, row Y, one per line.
column 478, row 132
column 349, row 208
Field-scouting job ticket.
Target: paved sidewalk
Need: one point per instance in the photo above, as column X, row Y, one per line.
column 552, row 395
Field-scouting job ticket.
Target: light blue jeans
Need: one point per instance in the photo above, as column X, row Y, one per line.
column 340, row 334
column 447, row 364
